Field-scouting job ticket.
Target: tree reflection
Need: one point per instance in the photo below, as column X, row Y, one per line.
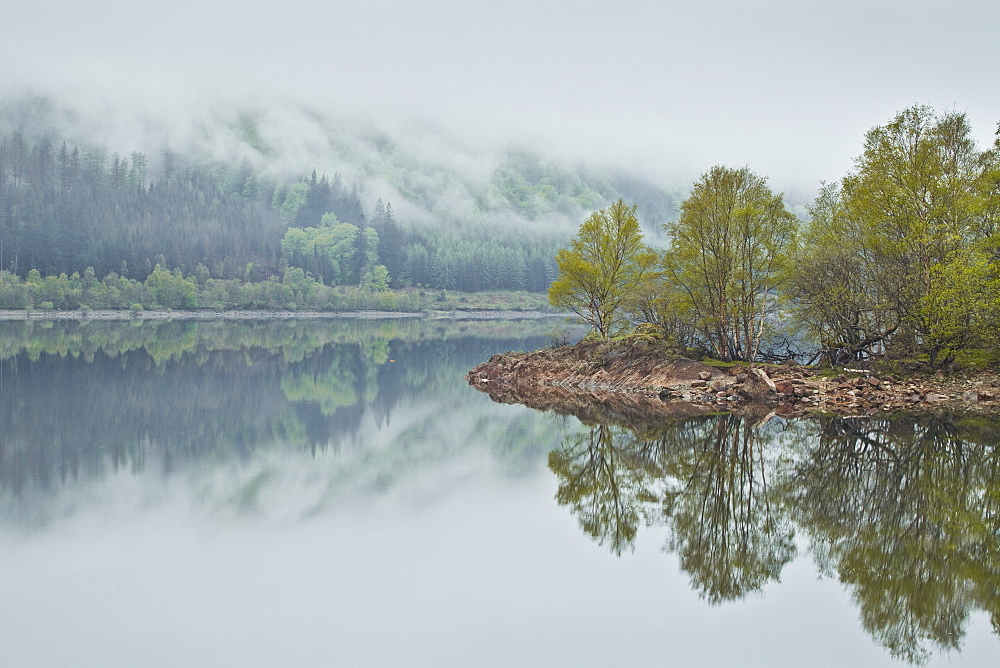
column 607, row 477
column 728, row 526
column 905, row 511
column 705, row 478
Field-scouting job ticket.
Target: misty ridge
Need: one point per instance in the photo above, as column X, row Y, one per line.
column 216, row 194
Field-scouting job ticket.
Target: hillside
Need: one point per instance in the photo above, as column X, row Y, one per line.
column 123, row 192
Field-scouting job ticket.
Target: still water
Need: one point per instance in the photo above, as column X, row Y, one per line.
column 333, row 493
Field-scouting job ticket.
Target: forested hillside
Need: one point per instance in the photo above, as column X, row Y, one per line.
column 244, row 198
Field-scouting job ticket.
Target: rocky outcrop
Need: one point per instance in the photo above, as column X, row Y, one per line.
column 639, row 379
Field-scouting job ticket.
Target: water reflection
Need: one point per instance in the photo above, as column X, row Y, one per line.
column 318, row 427
column 904, row 511
column 80, row 401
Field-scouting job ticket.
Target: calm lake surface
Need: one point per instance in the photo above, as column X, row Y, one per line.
column 333, row 493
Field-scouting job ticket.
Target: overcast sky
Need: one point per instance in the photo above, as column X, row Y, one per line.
column 786, row 88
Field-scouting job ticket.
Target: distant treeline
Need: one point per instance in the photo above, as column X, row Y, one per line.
column 65, row 208
column 293, row 290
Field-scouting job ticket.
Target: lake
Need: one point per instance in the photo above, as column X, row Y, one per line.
column 332, row 492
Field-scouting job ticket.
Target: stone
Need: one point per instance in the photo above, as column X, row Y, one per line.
column 764, row 377
column 784, row 386
column 699, row 383
column 704, row 375
column 874, row 382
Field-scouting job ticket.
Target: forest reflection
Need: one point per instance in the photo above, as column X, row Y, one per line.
column 82, row 399
column 904, row 511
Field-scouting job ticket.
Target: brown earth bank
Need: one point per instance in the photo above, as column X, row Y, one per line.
column 636, row 380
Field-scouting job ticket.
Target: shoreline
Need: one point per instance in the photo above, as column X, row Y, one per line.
column 639, row 380
column 204, row 315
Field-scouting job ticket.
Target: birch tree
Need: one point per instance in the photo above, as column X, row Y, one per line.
column 727, row 249
column 604, row 267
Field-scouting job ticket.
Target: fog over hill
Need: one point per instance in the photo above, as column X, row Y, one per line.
column 517, row 116
column 429, row 174
column 665, row 89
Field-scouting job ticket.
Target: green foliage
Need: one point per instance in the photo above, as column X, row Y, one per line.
column 662, row 308
column 13, row 292
column 534, row 187
column 726, row 255
column 336, row 253
column 172, row 290
column 899, row 258
column 833, row 290
column 605, row 267
column 960, row 308
column 296, row 290
column 376, row 279
column 287, row 203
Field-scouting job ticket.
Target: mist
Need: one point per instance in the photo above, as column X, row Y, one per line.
column 663, row 90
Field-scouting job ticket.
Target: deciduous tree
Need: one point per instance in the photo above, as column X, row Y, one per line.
column 726, row 251
column 909, row 247
column 604, row 267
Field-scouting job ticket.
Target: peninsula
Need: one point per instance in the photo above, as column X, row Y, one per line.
column 640, row 379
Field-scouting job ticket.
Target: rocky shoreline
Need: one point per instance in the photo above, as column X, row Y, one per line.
column 639, row 379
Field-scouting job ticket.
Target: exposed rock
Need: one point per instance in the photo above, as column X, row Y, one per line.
column 638, row 380
column 760, row 373
column 784, row 387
